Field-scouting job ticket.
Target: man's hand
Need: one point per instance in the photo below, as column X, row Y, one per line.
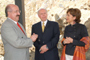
column 43, row 49
column 34, row 37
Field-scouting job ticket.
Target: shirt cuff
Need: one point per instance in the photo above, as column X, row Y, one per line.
column 47, row 47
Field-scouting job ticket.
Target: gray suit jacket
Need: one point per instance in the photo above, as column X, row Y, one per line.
column 16, row 44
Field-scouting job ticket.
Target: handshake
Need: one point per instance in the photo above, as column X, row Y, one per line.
column 34, row 37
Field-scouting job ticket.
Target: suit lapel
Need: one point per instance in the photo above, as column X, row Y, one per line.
column 47, row 25
column 40, row 27
column 23, row 29
column 16, row 27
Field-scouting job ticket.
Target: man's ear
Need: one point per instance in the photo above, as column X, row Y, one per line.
column 8, row 13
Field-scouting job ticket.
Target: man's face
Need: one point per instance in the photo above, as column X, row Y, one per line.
column 42, row 14
column 14, row 13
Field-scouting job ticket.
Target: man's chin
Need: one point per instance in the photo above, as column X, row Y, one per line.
column 44, row 19
column 17, row 20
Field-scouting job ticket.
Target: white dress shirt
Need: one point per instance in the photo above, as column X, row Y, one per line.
column 45, row 22
column 12, row 20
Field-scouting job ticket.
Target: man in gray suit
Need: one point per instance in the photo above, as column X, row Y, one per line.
column 16, row 43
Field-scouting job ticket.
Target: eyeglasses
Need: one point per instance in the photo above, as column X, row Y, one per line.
column 16, row 11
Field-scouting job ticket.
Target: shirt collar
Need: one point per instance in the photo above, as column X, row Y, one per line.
column 45, row 22
column 12, row 20
column 73, row 24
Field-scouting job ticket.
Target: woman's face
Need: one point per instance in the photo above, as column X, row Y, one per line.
column 70, row 18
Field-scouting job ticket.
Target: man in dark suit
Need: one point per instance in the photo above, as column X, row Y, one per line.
column 48, row 37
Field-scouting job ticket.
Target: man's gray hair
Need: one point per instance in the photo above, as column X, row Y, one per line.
column 41, row 9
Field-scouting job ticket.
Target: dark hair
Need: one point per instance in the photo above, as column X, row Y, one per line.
column 75, row 13
column 6, row 11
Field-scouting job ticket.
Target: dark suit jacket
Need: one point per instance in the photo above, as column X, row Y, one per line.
column 50, row 37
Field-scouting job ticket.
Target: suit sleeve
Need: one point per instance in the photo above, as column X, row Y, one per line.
column 55, row 38
column 64, row 36
column 9, row 35
column 36, row 44
column 84, row 33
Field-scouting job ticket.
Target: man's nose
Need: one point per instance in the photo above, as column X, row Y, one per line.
column 18, row 13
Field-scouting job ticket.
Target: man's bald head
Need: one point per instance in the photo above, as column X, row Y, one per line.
column 9, row 8
column 42, row 13
column 12, row 11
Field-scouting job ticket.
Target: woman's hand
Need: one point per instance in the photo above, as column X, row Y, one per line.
column 68, row 40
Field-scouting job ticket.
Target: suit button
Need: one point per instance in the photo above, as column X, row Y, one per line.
column 43, row 42
column 74, row 36
column 38, row 40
